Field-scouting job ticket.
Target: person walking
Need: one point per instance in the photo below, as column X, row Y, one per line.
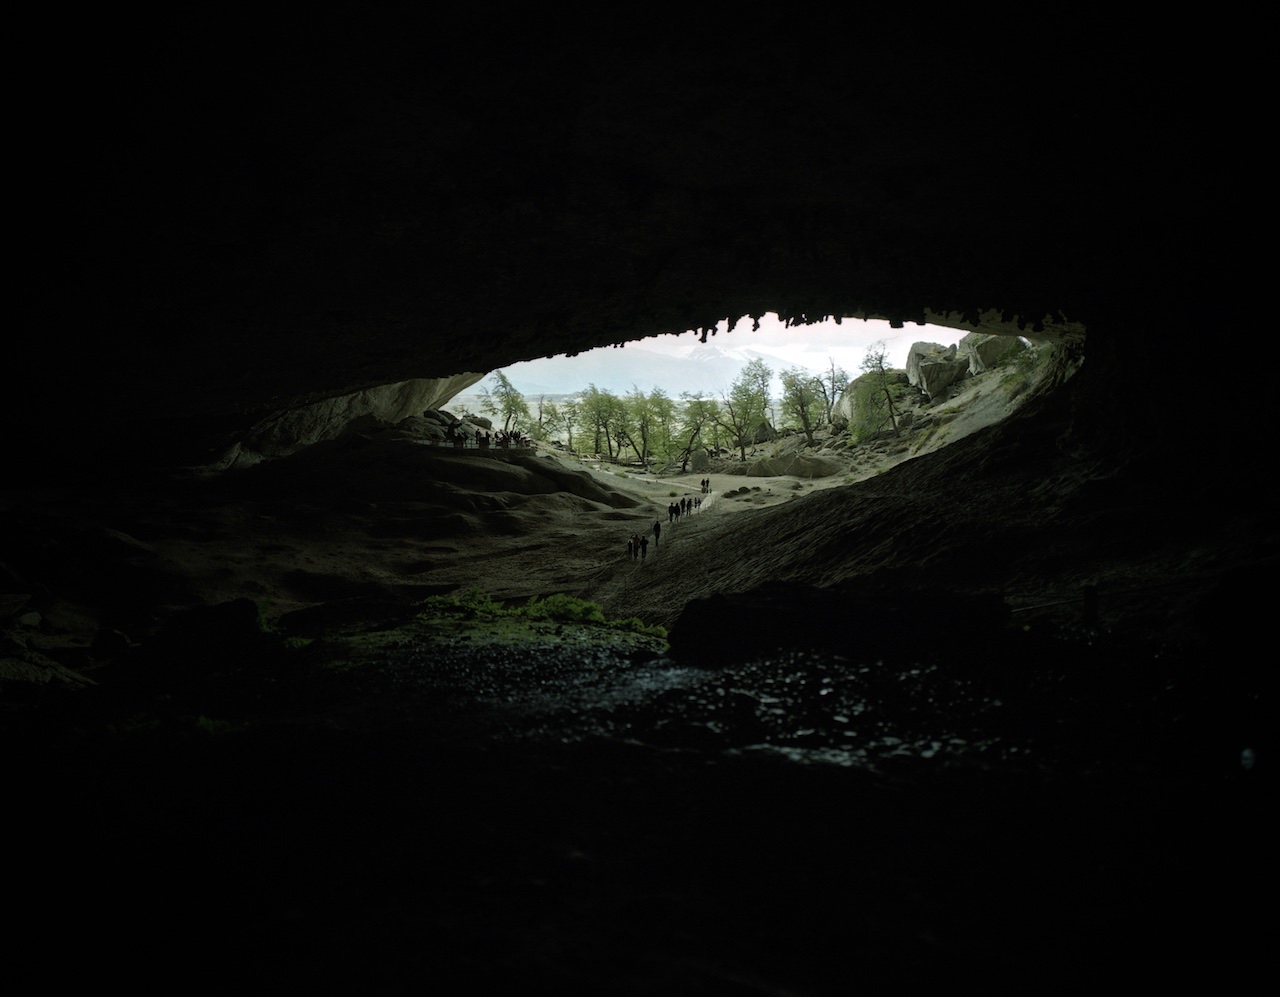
column 657, row 532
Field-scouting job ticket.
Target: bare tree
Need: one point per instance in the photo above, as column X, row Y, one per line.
column 832, row 382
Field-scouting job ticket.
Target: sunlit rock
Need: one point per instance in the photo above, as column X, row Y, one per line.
column 933, row 368
column 982, row 350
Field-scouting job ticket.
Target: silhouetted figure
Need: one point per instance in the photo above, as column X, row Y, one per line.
column 644, row 548
column 630, row 548
column 657, row 532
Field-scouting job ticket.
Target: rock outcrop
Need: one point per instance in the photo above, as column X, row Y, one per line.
column 287, row 431
column 982, row 350
column 933, row 368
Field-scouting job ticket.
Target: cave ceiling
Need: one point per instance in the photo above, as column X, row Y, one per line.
column 303, row 211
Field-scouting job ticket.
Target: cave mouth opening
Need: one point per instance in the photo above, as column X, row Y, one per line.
column 925, row 364
column 818, row 347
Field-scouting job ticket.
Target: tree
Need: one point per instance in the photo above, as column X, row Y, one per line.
column 568, row 418
column 505, row 402
column 697, row 415
column 833, row 381
column 603, row 417
column 548, row 416
column 802, row 399
column 876, row 395
column 647, row 426
column 662, row 413
column 746, row 406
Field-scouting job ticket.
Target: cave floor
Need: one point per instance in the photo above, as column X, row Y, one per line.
column 595, row 819
column 1035, row 809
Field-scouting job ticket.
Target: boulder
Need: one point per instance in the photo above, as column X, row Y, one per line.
column 291, row 429
column 933, row 368
column 842, row 411
column 981, row 349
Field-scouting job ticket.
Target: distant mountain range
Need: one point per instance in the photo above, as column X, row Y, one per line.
column 706, row 370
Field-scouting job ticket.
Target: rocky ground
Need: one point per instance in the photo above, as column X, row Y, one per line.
column 997, row 726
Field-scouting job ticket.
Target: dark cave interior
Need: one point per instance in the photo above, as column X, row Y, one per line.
column 247, row 221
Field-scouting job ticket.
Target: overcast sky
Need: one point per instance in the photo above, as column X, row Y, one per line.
column 810, row 345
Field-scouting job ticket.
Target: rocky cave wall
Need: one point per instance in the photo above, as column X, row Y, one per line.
column 277, row 218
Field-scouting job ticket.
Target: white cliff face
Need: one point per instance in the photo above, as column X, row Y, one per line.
column 289, row 430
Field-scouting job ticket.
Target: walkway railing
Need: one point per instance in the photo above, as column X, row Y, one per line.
column 485, row 446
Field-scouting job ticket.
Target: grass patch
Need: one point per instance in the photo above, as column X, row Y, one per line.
column 476, row 603
column 472, row 622
column 928, row 435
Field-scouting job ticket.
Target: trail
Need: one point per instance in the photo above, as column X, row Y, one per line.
column 619, row 584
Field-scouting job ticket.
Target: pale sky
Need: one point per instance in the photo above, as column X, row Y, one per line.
column 810, row 345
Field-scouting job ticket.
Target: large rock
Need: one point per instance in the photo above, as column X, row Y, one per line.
column 981, row 350
column 287, row 431
column 842, row 411
column 933, row 368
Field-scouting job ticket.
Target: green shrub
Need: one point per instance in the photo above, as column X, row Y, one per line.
column 560, row 607
column 479, row 600
column 637, row 625
column 564, row 607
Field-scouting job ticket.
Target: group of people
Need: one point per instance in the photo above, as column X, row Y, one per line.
column 457, row 435
column 683, row 507
column 506, row 439
column 638, row 544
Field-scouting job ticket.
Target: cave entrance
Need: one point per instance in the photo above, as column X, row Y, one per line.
column 762, row 392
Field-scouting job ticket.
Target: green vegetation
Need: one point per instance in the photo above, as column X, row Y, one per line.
column 1021, row 366
column 654, row 429
column 925, row 437
column 476, row 603
column 877, row 396
column 803, row 399
column 746, row 407
column 210, row 726
column 505, row 402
